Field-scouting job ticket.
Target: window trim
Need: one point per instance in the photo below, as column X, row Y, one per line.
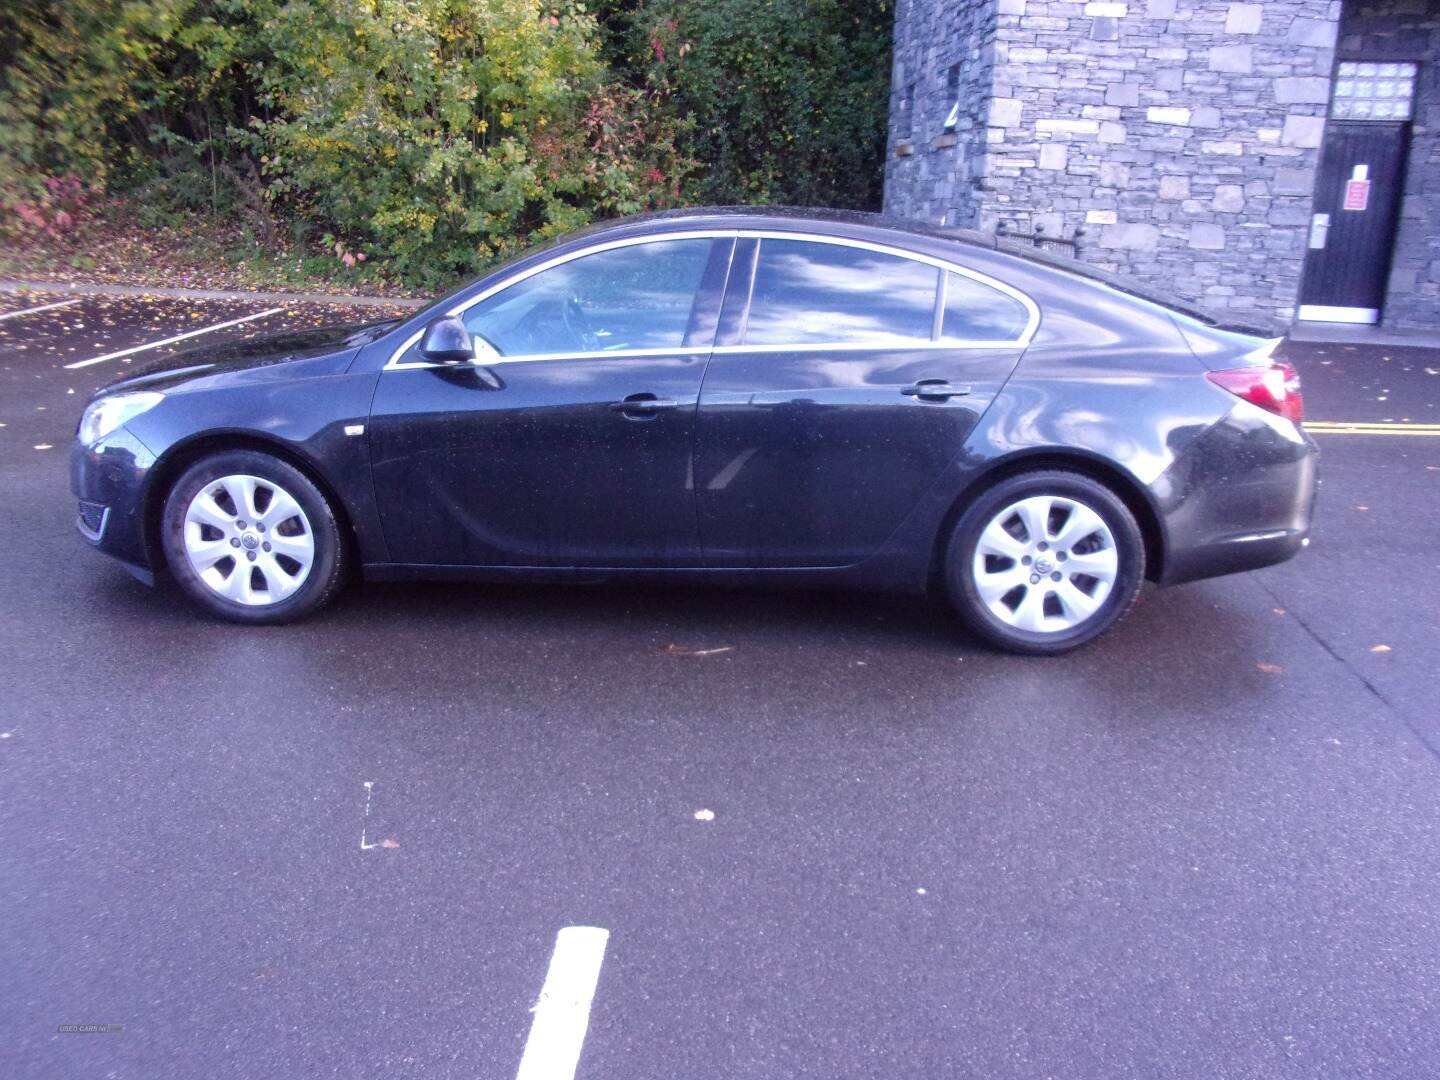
column 942, row 297
column 459, row 308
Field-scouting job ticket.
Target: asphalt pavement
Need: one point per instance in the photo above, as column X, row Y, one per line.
column 829, row 835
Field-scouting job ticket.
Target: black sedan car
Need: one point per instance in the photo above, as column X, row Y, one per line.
column 730, row 396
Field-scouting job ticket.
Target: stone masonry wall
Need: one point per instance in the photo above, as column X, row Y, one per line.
column 1408, row 30
column 932, row 175
column 1182, row 135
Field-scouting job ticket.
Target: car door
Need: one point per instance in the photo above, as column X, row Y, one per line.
column 845, row 377
column 570, row 443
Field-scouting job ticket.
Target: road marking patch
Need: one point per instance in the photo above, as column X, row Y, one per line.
column 42, row 307
column 1364, row 427
column 562, row 1012
column 369, row 790
column 365, row 825
column 171, row 340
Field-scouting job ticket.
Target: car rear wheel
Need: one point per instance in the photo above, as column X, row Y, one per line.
column 1044, row 562
column 250, row 538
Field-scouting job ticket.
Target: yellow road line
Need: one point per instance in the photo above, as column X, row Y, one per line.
column 1359, row 427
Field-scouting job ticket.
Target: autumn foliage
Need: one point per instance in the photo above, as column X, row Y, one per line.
column 425, row 139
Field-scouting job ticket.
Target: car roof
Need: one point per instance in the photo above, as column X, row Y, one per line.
column 759, row 216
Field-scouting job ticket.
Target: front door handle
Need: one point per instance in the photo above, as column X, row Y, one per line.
column 644, row 405
column 934, row 390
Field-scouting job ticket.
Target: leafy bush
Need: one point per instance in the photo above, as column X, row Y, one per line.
column 53, row 210
column 788, row 99
column 115, row 92
column 449, row 133
column 437, row 135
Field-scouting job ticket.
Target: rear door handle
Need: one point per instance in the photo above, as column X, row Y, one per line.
column 646, row 404
column 934, row 390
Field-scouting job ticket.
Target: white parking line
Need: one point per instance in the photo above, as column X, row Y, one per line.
column 42, row 307
column 562, row 1013
column 171, row 340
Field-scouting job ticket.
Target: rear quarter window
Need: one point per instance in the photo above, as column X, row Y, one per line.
column 975, row 311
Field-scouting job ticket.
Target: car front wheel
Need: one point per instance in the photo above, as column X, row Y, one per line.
column 1044, row 562
column 250, row 538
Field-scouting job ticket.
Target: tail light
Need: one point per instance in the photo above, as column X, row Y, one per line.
column 1275, row 388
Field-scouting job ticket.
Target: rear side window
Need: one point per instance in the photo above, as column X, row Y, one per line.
column 976, row 312
column 813, row 293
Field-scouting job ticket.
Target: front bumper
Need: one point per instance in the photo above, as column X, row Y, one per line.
column 1240, row 497
column 108, row 479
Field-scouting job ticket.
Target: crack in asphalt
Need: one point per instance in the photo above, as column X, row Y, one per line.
column 1396, row 710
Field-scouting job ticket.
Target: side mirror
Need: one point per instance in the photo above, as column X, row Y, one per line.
column 446, row 341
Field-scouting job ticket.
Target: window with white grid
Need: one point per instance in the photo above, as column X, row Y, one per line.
column 1373, row 91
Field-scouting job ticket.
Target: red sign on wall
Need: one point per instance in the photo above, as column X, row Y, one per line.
column 1357, row 194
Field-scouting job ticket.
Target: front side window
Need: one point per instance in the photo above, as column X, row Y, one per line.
column 815, row 293
column 634, row 297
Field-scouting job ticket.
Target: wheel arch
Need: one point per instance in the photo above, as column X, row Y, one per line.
column 173, row 463
column 1125, row 487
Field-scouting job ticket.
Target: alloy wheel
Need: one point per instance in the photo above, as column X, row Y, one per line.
column 248, row 540
column 1045, row 564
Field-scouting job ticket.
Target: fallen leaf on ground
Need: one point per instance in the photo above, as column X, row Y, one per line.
column 681, row 650
column 1269, row 668
column 1278, row 610
column 390, row 843
column 1379, row 648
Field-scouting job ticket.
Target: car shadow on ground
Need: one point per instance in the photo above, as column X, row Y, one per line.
column 1202, row 615
column 790, row 614
column 1189, row 656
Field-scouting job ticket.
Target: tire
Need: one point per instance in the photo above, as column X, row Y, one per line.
column 250, row 514
column 1064, row 590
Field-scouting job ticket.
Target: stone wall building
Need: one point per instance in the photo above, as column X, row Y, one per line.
column 1274, row 157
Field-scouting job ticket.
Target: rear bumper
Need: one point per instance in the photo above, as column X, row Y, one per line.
column 108, row 479
column 1240, row 497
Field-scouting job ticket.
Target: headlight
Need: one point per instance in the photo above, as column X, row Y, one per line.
column 105, row 414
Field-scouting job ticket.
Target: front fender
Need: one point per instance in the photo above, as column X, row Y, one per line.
column 319, row 423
